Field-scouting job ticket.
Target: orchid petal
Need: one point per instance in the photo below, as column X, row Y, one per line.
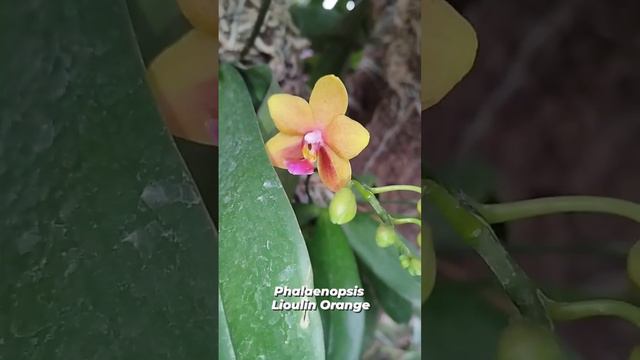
column 300, row 167
column 346, row 137
column 334, row 171
column 291, row 114
column 282, row 148
column 328, row 99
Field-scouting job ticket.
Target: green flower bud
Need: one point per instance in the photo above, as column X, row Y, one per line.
column 419, row 206
column 343, row 206
column 635, row 353
column 405, row 261
column 633, row 264
column 523, row 340
column 385, row 236
column 415, row 267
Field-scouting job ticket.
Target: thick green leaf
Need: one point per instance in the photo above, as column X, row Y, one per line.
column 258, row 80
column 456, row 315
column 306, row 213
column 397, row 307
column 383, row 262
column 267, row 125
column 334, row 266
column 261, row 85
column 370, row 322
column 261, row 246
column 225, row 350
column 157, row 24
column 202, row 162
column 106, row 249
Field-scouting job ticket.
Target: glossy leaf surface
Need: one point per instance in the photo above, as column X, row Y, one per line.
column 107, row 250
column 335, row 267
column 261, row 245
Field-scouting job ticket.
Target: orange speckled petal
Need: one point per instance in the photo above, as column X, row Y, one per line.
column 291, row 114
column 335, row 172
column 346, row 137
column 328, row 99
column 282, row 148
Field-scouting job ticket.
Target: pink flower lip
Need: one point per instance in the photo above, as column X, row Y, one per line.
column 300, row 167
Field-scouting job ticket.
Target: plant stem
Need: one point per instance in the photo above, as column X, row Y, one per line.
column 384, row 189
column 478, row 234
column 498, row 213
column 368, row 196
column 262, row 13
column 386, row 218
column 401, row 221
column 581, row 309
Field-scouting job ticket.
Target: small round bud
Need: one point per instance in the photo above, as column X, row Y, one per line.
column 405, row 261
column 523, row 340
column 415, row 267
column 633, row 264
column 343, row 207
column 385, row 235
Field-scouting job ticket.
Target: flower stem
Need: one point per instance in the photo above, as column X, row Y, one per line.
column 386, row 218
column 479, row 235
column 400, row 221
column 384, row 189
column 498, row 213
column 563, row 311
column 369, row 196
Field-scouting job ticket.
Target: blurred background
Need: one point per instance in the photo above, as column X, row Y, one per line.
column 551, row 107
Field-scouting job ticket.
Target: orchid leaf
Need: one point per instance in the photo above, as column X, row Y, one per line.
column 335, row 267
column 261, row 246
column 107, row 250
column 225, row 350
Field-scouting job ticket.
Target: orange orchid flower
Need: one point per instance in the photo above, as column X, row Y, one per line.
column 316, row 132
